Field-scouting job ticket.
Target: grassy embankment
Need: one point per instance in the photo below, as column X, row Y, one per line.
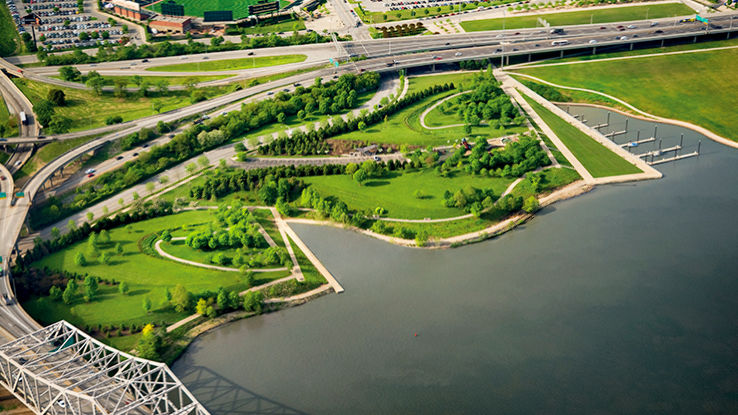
column 287, row 26
column 660, row 85
column 10, row 42
column 564, row 18
column 230, row 64
column 197, row 8
column 398, row 15
column 172, row 80
column 596, row 158
column 87, row 110
column 49, row 152
column 7, row 120
column 147, row 276
column 404, row 126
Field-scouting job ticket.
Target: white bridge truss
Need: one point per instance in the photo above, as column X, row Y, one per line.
column 59, row 369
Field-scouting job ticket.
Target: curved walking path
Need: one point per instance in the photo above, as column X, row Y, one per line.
column 429, row 109
column 161, row 252
column 707, row 133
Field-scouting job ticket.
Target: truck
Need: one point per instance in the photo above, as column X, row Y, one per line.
column 23, row 118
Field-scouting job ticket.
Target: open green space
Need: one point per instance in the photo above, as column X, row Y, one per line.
column 660, row 85
column 146, row 274
column 10, row 42
column 286, row 26
column 87, row 110
column 398, row 15
column 230, row 64
column 419, row 83
column 172, row 80
column 8, row 121
column 614, row 14
column 197, row 8
column 596, row 158
column 395, row 192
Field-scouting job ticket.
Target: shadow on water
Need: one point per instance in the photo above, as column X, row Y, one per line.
column 222, row 396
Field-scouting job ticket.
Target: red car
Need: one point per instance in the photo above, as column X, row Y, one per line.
column 91, row 174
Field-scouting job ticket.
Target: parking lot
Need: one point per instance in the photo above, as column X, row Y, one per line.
column 63, row 26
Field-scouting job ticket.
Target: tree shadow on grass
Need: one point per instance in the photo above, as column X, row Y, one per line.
column 376, row 183
column 222, row 396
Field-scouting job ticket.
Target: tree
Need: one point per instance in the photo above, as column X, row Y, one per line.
column 166, row 236
column 95, row 82
column 91, row 287
column 150, row 187
column 69, row 292
column 57, row 97
column 44, row 111
column 190, row 168
column 146, row 304
column 60, row 124
column 123, row 288
column 203, row 161
column 156, row 105
column 55, row 293
column 70, row 73
column 71, row 225
column 362, row 125
column 104, row 236
column 106, row 258
column 118, row 248
column 361, row 176
column 80, row 259
column 119, row 87
column 181, row 298
column 201, row 307
column 281, row 117
column 55, row 232
column 149, row 344
column 252, row 301
column 531, row 204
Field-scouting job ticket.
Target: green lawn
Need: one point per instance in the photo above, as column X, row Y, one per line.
column 393, row 16
column 288, row 26
column 438, row 117
column 615, row 14
column 7, row 120
column 550, row 179
column 404, row 127
column 230, row 64
column 693, row 87
column 596, row 158
column 395, row 192
column 240, row 8
column 419, row 83
column 146, row 275
column 173, row 80
column 87, row 110
column 10, row 42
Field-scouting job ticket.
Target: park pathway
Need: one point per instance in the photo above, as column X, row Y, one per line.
column 163, row 253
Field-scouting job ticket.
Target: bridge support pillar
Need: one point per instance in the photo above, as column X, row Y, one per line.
column 631, row 46
column 694, row 40
column 530, row 56
column 433, row 67
column 594, row 50
column 662, row 43
column 562, row 53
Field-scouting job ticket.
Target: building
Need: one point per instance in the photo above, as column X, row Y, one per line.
column 31, row 18
column 171, row 25
column 129, row 9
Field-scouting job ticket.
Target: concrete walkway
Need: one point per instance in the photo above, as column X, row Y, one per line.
column 282, row 232
column 651, row 117
column 161, row 252
column 429, row 109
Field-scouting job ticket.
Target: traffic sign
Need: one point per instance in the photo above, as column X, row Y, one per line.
column 701, row 19
column 3, row 195
column 20, row 194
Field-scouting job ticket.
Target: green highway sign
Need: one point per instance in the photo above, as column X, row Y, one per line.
column 3, row 195
column 20, row 194
column 701, row 19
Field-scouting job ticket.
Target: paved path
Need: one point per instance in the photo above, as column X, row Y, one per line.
column 282, row 232
column 429, row 109
column 651, row 117
column 303, row 296
column 161, row 252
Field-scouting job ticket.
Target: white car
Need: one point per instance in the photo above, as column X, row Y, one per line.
column 457, row 54
column 61, row 403
column 630, row 26
column 593, row 42
column 88, row 171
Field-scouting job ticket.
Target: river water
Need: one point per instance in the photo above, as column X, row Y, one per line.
column 620, row 301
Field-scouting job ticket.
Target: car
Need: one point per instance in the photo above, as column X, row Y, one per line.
column 602, row 28
column 205, row 58
column 224, row 113
column 630, row 26
column 593, row 42
column 250, row 54
column 184, row 57
column 620, row 26
column 296, row 84
column 3, row 178
column 144, row 60
column 437, row 58
column 270, row 93
column 458, row 54
column 658, row 31
column 517, row 33
column 61, row 404
column 119, row 158
column 376, row 158
column 135, row 154
column 91, row 175
column 286, row 90
column 18, row 163
column 389, row 63
column 145, row 145
column 6, row 300
column 88, row 171
column 448, row 43
column 654, row 24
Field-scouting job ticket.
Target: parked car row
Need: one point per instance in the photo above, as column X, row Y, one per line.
column 15, row 15
column 50, row 6
column 67, row 43
column 55, row 20
column 74, row 26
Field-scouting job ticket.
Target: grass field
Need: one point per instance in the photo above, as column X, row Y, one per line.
column 288, row 26
column 395, row 192
column 230, row 64
column 240, row 8
column 404, row 127
column 398, row 15
column 692, row 87
column 596, row 158
column 9, row 121
column 173, row 80
column 87, row 110
column 147, row 276
column 419, row 83
column 615, row 14
column 10, row 42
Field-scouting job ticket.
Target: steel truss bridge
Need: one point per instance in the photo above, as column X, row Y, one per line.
column 61, row 370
